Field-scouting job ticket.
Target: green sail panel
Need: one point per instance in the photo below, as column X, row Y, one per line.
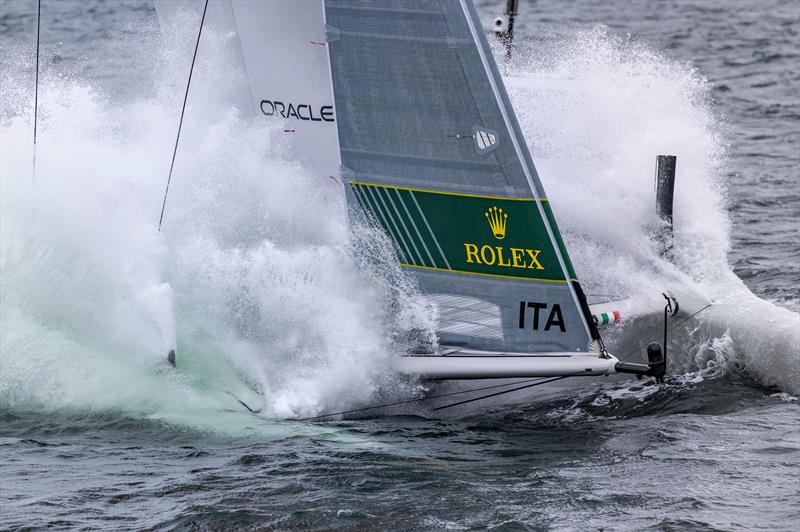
column 474, row 234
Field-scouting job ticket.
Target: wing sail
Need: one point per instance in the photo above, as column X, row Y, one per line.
column 431, row 150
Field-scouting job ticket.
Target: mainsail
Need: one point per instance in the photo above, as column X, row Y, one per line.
column 431, row 149
column 402, row 103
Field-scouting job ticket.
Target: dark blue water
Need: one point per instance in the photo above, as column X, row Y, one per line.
column 90, row 440
column 691, row 458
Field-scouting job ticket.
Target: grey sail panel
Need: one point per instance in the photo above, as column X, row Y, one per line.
column 403, row 116
column 431, row 152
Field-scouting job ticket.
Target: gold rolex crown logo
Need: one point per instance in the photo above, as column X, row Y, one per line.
column 497, row 221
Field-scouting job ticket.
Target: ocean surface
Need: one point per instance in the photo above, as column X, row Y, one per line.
column 253, row 279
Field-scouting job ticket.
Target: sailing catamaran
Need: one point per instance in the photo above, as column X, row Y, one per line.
column 402, row 104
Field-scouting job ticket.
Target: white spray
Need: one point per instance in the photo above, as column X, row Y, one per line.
column 596, row 110
column 253, row 278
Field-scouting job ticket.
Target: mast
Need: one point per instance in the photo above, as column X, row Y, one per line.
column 504, row 29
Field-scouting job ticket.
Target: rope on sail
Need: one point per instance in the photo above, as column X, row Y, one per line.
column 36, row 88
column 183, row 111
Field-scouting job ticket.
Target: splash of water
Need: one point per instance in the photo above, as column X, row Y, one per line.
column 254, row 278
column 596, row 109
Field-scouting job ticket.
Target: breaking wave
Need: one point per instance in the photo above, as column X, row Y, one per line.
column 596, row 109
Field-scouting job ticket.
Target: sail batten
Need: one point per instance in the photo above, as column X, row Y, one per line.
column 417, row 159
column 453, row 43
column 384, row 10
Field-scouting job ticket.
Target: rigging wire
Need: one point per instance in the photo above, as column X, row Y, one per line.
column 36, row 88
column 494, row 386
column 501, row 393
column 183, row 111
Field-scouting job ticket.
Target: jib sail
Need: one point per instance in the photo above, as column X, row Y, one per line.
column 431, row 150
